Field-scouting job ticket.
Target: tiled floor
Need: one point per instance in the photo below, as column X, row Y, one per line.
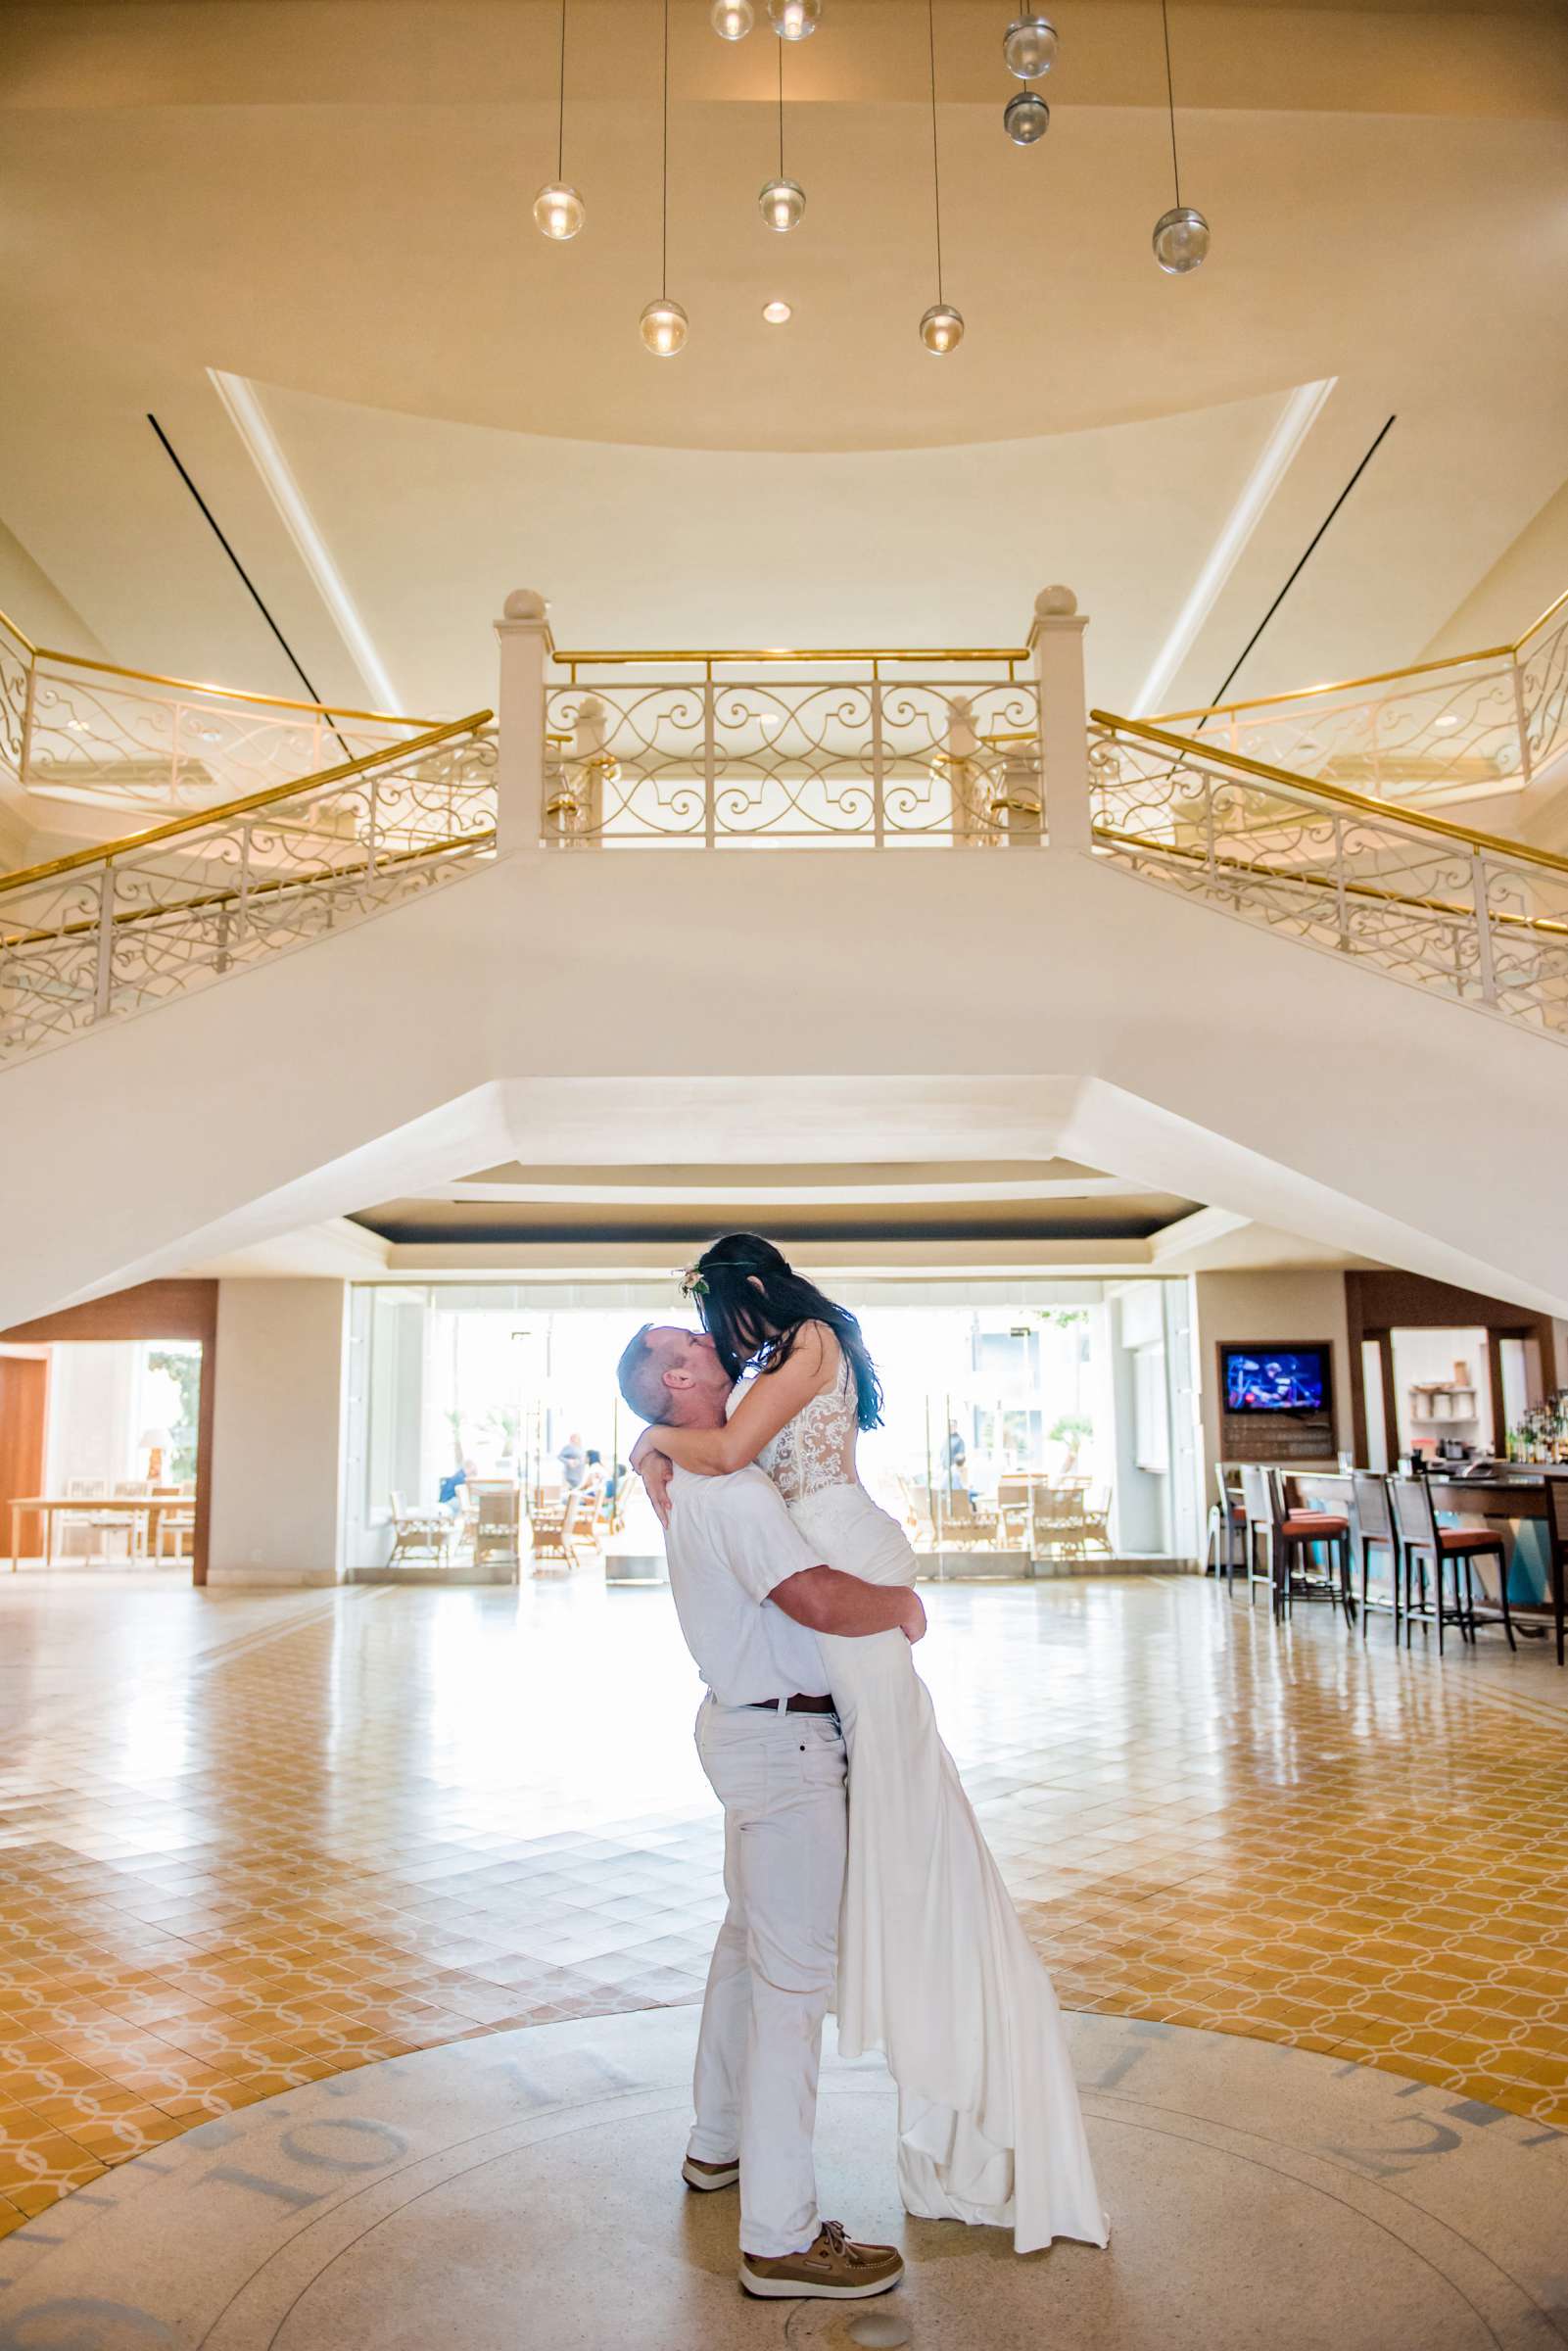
column 249, row 1841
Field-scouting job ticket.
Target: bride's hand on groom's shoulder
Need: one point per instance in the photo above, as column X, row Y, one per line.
column 914, row 1624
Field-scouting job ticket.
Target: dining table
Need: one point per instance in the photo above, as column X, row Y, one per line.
column 153, row 1508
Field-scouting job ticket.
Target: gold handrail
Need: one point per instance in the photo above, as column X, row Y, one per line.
column 1538, row 623
column 100, row 852
column 1550, row 926
column 1418, row 820
column 383, row 862
column 725, row 657
column 230, row 694
column 20, row 636
column 1381, row 677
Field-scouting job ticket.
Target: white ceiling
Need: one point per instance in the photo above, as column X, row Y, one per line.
column 329, row 199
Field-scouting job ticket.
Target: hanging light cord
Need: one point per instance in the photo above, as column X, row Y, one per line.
column 1170, row 100
column 781, row 47
column 936, row 175
column 560, row 127
column 664, row 212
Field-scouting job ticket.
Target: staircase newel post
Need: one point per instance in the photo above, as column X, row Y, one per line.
column 1059, row 627
column 523, row 632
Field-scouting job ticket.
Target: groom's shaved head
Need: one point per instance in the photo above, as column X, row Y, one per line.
column 640, row 1373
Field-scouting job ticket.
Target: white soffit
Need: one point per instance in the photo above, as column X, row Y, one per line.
column 243, row 405
column 1278, row 454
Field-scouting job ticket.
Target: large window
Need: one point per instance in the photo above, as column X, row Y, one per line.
column 981, row 1393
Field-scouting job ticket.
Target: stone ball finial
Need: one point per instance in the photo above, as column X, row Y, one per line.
column 1055, row 603
column 525, row 603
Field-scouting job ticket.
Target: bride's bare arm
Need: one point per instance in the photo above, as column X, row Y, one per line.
column 772, row 1399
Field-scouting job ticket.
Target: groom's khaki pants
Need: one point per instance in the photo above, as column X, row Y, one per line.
column 780, row 1780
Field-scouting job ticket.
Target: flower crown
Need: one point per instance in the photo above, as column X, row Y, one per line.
column 692, row 1279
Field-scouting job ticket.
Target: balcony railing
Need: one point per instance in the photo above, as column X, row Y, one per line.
column 1443, row 729
column 114, row 931
column 91, row 731
column 946, row 751
column 1462, row 914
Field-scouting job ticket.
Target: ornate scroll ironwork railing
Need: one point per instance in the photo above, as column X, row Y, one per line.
column 1481, row 920
column 88, row 730
column 114, row 931
column 1456, row 727
column 718, row 762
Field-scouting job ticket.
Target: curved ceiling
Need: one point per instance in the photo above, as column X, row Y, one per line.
column 330, row 198
column 336, row 198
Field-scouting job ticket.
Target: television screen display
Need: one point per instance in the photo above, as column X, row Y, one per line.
column 1275, row 1379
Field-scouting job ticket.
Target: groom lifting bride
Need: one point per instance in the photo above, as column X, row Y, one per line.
column 795, row 1597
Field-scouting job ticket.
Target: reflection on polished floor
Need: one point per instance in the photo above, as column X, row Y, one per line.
column 252, row 1841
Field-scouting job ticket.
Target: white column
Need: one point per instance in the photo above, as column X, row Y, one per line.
column 1059, row 627
column 523, row 634
column 279, row 1366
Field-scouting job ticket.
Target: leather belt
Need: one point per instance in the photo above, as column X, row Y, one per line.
column 800, row 1704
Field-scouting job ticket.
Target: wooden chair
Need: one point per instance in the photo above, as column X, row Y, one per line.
column 965, row 1522
column 1097, row 1518
column 176, row 1528
column 551, row 1522
column 1290, row 1539
column 498, row 1517
column 1226, row 1546
column 417, row 1534
column 1421, row 1540
column 1372, row 1526
column 1061, row 1521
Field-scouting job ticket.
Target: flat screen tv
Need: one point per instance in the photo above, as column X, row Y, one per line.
column 1275, row 1379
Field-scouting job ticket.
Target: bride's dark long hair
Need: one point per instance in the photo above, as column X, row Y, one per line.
column 753, row 1304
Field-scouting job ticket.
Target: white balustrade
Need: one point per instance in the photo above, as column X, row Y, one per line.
column 1481, row 920
column 98, row 937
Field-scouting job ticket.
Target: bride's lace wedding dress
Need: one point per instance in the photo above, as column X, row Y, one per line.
column 935, row 1968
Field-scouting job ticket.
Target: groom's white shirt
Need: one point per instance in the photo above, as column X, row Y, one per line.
column 729, row 1543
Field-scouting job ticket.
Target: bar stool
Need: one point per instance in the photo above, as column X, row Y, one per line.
column 1422, row 1539
column 1228, row 1522
column 1375, row 1525
column 1290, row 1538
column 1258, row 1516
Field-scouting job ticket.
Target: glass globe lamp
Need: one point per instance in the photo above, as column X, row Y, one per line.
column 1028, row 47
column 558, row 211
column 782, row 204
column 1180, row 240
column 665, row 326
column 1025, row 119
column 731, row 20
column 942, row 329
column 777, row 312
column 794, row 20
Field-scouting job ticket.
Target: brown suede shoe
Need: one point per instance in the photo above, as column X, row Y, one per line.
column 836, row 2268
column 710, row 2175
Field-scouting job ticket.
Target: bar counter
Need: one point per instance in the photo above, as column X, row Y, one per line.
column 1509, row 1497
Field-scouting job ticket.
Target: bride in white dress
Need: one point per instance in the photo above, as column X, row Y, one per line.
column 934, row 1969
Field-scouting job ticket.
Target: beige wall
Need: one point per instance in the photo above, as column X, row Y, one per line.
column 1268, row 1305
column 278, row 1437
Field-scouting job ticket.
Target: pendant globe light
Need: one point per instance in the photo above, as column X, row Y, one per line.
column 731, row 20
column 794, row 20
column 782, row 201
column 664, row 324
column 1029, row 46
column 1181, row 236
column 942, row 329
column 559, row 209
